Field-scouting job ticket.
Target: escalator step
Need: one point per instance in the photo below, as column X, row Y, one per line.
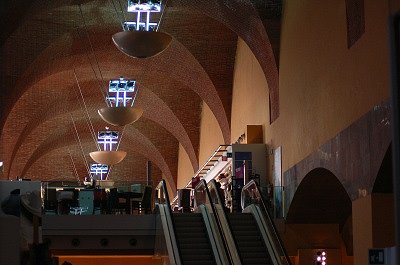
column 198, row 253
column 254, row 244
column 248, row 239
column 249, row 233
column 204, row 244
column 198, row 261
column 195, row 227
column 192, row 239
column 188, row 240
column 252, row 261
column 254, row 253
column 241, row 219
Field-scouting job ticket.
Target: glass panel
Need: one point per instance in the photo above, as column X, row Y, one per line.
column 144, row 5
column 107, row 139
column 99, row 171
column 122, row 91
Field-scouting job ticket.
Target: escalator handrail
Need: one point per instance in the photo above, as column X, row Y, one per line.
column 223, row 224
column 202, row 185
column 162, row 186
column 270, row 220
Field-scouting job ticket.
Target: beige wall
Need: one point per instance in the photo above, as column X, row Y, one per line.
column 383, row 220
column 210, row 135
column 185, row 170
column 324, row 86
column 362, row 229
column 373, row 225
column 250, row 92
column 210, row 139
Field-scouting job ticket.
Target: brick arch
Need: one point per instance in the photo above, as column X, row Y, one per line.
column 62, row 167
column 211, row 98
column 66, row 137
column 155, row 109
column 185, row 66
column 242, row 18
column 320, row 199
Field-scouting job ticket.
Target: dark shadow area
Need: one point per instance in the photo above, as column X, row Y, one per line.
column 320, row 199
column 384, row 179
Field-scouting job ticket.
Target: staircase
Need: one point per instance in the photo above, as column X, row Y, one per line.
column 249, row 242
column 192, row 239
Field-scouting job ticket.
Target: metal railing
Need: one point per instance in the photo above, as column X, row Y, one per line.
column 164, row 225
column 251, row 196
column 202, row 201
column 208, row 194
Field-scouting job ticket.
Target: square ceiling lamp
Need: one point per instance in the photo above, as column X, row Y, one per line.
column 141, row 38
column 121, row 97
column 98, row 171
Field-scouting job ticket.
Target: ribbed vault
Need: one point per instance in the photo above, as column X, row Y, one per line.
column 56, row 63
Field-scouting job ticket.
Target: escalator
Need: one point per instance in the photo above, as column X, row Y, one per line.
column 251, row 234
column 192, row 239
column 249, row 242
column 214, row 236
column 187, row 238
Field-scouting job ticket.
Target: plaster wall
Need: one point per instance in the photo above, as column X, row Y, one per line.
column 324, row 86
column 210, row 135
column 185, row 170
column 250, row 92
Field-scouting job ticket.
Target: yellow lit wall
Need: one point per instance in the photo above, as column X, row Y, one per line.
column 250, row 92
column 185, row 169
column 210, row 135
column 324, row 86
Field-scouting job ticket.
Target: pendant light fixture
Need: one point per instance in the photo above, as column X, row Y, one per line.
column 107, row 156
column 121, row 96
column 141, row 38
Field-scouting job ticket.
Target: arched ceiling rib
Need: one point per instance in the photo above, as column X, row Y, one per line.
column 66, row 136
column 38, row 59
column 155, row 109
column 241, row 17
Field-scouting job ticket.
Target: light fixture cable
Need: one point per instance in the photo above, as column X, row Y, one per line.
column 101, row 82
column 91, row 128
column 73, row 165
column 118, row 16
column 80, row 144
column 162, row 14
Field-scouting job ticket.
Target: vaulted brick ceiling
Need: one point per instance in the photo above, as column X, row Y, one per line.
column 52, row 52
